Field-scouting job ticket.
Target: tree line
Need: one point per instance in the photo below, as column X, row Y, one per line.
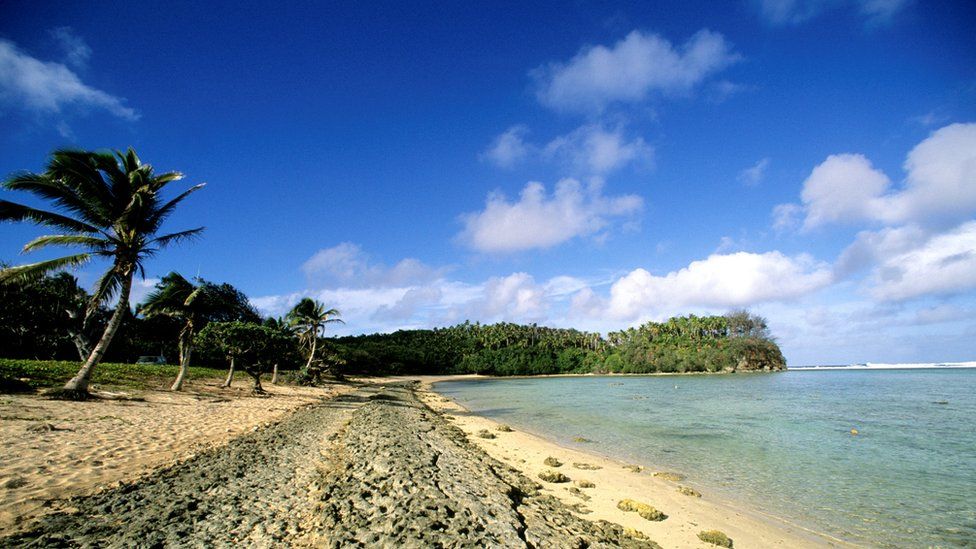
column 737, row 341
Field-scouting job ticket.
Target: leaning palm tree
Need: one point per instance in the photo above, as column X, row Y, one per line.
column 113, row 207
column 177, row 297
column 310, row 318
column 283, row 327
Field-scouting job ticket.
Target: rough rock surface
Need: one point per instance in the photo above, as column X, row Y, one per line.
column 407, row 478
column 374, row 468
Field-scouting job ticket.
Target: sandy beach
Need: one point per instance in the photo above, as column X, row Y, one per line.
column 614, row 481
column 55, row 450
column 386, row 463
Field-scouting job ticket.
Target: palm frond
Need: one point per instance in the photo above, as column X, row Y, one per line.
column 80, row 171
column 58, row 192
column 11, row 211
column 34, row 271
column 166, row 209
column 105, row 288
column 165, row 240
column 94, row 242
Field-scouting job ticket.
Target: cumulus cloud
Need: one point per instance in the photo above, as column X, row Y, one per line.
column 517, row 297
column 720, row 281
column 509, row 148
column 940, row 184
column 347, row 264
column 945, row 264
column 593, row 149
column 872, row 247
column 792, row 12
column 845, row 188
column 630, row 70
column 47, row 87
column 754, row 175
column 941, row 177
column 540, row 220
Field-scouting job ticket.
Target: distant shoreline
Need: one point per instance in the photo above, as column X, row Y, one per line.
column 892, row 366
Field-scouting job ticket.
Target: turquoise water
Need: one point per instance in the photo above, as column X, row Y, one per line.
column 780, row 443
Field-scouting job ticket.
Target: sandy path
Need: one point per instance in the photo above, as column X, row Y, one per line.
column 687, row 514
column 54, row 450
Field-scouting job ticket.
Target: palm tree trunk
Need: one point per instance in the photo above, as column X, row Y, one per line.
column 184, row 367
column 311, row 354
column 79, row 383
column 230, row 373
column 186, row 349
column 274, row 374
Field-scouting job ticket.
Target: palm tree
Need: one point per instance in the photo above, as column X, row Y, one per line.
column 309, row 318
column 283, row 327
column 113, row 207
column 177, row 297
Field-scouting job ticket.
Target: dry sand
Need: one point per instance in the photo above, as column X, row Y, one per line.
column 54, row 450
column 687, row 515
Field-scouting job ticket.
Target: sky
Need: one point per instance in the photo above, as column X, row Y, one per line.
column 577, row 164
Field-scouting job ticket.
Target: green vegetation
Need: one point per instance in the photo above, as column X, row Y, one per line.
column 113, row 208
column 194, row 305
column 308, row 318
column 47, row 374
column 738, row 341
column 252, row 346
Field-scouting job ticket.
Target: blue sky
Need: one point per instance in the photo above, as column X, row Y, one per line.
column 587, row 164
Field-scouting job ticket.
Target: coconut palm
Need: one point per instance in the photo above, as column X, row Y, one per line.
column 283, row 327
column 310, row 318
column 112, row 207
column 179, row 298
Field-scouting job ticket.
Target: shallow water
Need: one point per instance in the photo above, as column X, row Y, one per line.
column 781, row 442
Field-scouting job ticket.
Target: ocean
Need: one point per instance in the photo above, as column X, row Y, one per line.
column 781, row 443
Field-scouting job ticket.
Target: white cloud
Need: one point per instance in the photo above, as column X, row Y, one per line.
column 754, row 175
column 76, row 51
column 871, row 247
column 792, row 12
column 594, row 150
column 941, row 177
column 843, row 188
column 944, row 264
column 48, row 87
column 720, row 281
column 591, row 149
column 349, row 265
column 538, row 220
column 509, row 148
column 630, row 70
column 516, row 296
column 940, row 184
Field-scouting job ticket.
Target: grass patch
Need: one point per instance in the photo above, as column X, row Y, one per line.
column 52, row 374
